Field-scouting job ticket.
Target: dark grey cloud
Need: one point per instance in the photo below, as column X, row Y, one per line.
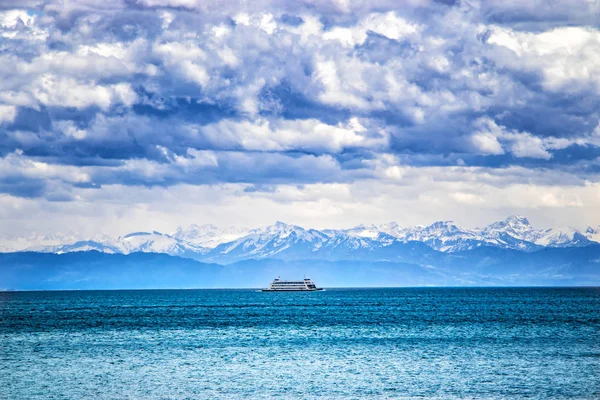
column 541, row 16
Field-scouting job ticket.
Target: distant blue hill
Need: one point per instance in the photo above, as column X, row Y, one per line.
column 411, row 265
column 95, row 270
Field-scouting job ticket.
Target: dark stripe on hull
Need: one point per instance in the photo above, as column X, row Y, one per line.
column 291, row 290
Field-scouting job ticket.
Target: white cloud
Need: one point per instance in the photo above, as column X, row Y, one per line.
column 13, row 18
column 7, row 113
column 567, row 57
column 198, row 158
column 263, row 21
column 17, row 165
column 170, row 3
column 186, row 59
column 51, row 90
column 18, row 24
column 342, row 90
column 118, row 209
column 69, row 128
column 389, row 25
column 527, row 145
column 489, row 138
column 305, row 135
column 486, row 143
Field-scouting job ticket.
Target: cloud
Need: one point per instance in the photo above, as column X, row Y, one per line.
column 566, row 57
column 119, row 209
column 523, row 14
column 7, row 113
column 491, row 138
column 24, row 177
column 309, row 135
column 388, row 25
column 278, row 94
column 486, row 143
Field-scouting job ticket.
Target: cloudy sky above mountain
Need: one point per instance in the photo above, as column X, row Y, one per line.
column 123, row 115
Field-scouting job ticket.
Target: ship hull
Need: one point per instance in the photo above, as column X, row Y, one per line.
column 291, row 290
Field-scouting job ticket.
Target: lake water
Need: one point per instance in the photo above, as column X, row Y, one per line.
column 504, row 343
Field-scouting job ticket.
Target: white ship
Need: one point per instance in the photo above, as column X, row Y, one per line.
column 278, row 285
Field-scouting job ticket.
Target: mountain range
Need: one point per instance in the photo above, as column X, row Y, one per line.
column 373, row 243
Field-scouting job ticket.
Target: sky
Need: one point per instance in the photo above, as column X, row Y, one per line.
column 126, row 115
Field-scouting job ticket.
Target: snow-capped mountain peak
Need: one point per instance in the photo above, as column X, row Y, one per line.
column 367, row 231
column 271, row 240
column 156, row 242
column 513, row 223
column 593, row 234
column 278, row 228
column 514, row 232
column 208, row 235
column 516, row 220
column 562, row 236
column 445, row 227
column 211, row 243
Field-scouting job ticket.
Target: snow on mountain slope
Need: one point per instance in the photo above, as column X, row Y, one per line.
column 268, row 241
column 512, row 233
column 563, row 236
column 156, row 242
column 211, row 243
column 358, row 239
column 370, row 231
column 360, row 231
column 516, row 226
column 447, row 236
column 593, row 234
column 291, row 242
column 209, row 235
column 443, row 236
column 84, row 245
column 36, row 242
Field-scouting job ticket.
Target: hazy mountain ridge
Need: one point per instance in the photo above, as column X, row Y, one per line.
column 483, row 266
column 385, row 242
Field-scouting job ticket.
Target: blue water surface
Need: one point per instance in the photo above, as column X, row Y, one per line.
column 500, row 343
